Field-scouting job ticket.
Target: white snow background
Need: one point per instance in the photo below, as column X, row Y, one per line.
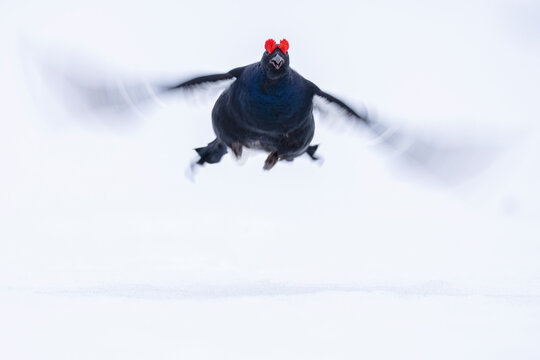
column 108, row 251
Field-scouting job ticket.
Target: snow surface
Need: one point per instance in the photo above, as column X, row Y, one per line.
column 108, row 251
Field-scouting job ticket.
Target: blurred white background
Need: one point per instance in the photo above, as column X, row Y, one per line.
column 107, row 250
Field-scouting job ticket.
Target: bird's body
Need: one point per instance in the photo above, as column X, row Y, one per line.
column 271, row 115
column 269, row 107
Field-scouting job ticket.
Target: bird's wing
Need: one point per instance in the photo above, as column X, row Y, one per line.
column 448, row 159
column 204, row 80
column 85, row 88
column 348, row 110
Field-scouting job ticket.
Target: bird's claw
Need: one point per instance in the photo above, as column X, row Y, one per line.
column 191, row 170
column 236, row 148
column 271, row 160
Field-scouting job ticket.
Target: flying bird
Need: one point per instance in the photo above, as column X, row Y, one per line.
column 268, row 107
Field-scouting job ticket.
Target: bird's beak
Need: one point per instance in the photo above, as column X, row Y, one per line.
column 277, row 61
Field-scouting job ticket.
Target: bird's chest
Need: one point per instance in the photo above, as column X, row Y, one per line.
column 280, row 105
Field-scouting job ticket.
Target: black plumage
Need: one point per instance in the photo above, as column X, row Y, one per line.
column 269, row 106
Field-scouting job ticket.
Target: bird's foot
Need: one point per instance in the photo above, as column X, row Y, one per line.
column 271, row 160
column 236, row 148
column 212, row 153
column 311, row 152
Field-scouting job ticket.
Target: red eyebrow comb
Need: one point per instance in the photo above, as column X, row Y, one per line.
column 283, row 45
column 270, row 45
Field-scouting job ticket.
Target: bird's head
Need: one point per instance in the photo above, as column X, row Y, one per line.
column 275, row 60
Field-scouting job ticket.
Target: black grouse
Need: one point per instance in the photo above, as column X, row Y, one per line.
column 268, row 107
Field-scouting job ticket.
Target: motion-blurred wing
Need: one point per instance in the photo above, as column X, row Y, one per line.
column 348, row 110
column 205, row 80
column 449, row 158
column 85, row 89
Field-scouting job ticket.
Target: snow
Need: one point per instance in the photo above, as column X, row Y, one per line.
column 107, row 249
